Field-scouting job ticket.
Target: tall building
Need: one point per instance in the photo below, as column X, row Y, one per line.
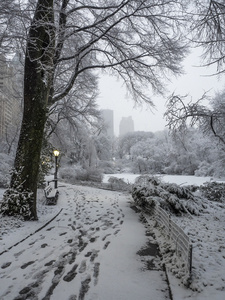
column 9, row 100
column 107, row 115
column 126, row 125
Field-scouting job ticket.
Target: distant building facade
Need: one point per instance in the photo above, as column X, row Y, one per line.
column 126, row 125
column 108, row 118
column 10, row 102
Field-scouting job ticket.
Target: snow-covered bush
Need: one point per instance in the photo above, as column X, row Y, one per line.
column 141, row 165
column 107, row 166
column 89, row 174
column 123, row 166
column 67, row 173
column 74, row 173
column 5, row 167
column 150, row 191
column 17, row 201
column 118, row 184
column 204, row 169
column 213, row 191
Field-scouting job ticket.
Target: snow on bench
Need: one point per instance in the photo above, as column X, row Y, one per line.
column 51, row 195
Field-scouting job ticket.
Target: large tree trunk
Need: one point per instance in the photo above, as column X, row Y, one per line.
column 20, row 197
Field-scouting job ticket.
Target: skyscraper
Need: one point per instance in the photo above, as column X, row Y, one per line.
column 126, row 125
column 9, row 100
column 107, row 115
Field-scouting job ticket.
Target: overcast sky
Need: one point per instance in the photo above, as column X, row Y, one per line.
column 194, row 82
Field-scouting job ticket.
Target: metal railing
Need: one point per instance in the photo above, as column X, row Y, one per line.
column 178, row 236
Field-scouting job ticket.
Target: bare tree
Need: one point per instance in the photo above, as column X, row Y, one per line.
column 78, row 106
column 180, row 115
column 5, row 20
column 139, row 41
column 208, row 31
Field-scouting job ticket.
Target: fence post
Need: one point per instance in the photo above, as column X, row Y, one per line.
column 161, row 218
column 190, row 258
column 170, row 226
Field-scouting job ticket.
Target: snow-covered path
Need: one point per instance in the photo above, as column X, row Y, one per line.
column 85, row 253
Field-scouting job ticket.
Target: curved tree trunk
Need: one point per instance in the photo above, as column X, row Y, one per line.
column 20, row 197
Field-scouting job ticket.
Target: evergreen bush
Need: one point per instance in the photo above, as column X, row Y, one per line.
column 213, row 191
column 150, row 191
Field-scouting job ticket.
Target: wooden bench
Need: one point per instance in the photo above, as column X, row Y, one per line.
column 51, row 195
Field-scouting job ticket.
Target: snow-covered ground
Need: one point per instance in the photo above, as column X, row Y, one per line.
column 206, row 233
column 89, row 251
column 96, row 249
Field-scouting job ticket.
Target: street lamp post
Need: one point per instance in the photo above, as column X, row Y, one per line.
column 56, row 153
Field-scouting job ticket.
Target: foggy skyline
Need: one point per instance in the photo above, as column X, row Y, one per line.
column 194, row 82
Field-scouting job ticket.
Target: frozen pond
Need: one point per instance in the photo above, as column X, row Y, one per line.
column 178, row 179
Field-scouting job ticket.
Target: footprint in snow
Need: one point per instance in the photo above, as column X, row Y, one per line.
column 63, row 233
column 94, row 255
column 96, row 272
column 83, row 267
column 27, row 264
column 49, row 229
column 32, row 243
column 106, row 245
column 84, row 288
column 19, row 253
column 6, row 265
column 71, row 274
column 106, row 236
column 51, row 262
column 117, row 231
column 93, row 239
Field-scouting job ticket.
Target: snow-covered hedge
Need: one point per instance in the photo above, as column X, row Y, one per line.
column 17, row 201
column 107, row 166
column 77, row 173
column 213, row 191
column 118, row 184
column 150, row 191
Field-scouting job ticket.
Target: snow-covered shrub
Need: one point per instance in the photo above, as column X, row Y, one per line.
column 107, row 166
column 204, row 169
column 213, row 191
column 74, row 173
column 218, row 168
column 4, row 180
column 149, row 191
column 89, row 174
column 68, row 173
column 123, row 165
column 17, row 201
column 118, row 184
column 140, row 165
column 5, row 167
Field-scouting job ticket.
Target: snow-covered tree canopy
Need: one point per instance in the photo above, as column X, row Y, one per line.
column 139, row 41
